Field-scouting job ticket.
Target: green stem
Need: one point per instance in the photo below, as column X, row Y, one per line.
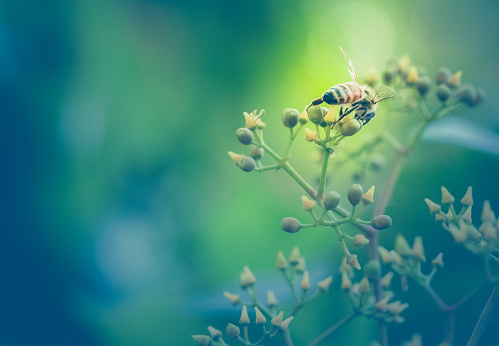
column 329, row 332
column 484, row 317
column 290, row 170
column 322, row 181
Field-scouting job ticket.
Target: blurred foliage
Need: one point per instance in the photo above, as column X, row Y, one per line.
column 123, row 218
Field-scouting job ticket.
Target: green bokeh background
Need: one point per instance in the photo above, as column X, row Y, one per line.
column 123, row 218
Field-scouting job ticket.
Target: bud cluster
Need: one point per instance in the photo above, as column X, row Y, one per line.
column 407, row 260
column 361, row 294
column 483, row 239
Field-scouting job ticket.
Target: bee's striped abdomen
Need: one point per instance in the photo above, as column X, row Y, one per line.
column 343, row 94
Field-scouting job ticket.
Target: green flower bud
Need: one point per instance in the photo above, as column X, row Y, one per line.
column 331, row 200
column 247, row 164
column 402, row 246
column 423, row 85
column 286, row 322
column 444, row 74
column 202, row 340
column 214, row 333
column 290, row 117
column 466, row 94
column 315, row 114
column 244, row 135
column 355, row 194
column 324, row 284
column 467, row 200
column 443, row 92
column 232, row 331
column 388, row 75
column 244, row 319
column 372, row 269
column 364, row 285
column 381, row 222
column 260, row 319
column 351, row 127
column 438, row 262
column 434, row 207
column 481, row 95
column 294, row 256
column 257, row 153
column 277, row 321
column 282, row 262
column 290, row 225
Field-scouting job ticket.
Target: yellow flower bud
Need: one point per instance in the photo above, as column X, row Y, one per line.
column 360, row 240
column 271, row 298
column 305, row 282
column 310, row 135
column 447, row 198
column 235, row 157
column 294, row 256
column 281, row 263
column 260, row 319
column 412, row 75
column 286, row 322
column 277, row 321
column 346, row 283
column 324, row 284
column 244, row 319
column 234, row 298
column 467, row 200
column 368, row 197
column 307, row 203
column 330, row 117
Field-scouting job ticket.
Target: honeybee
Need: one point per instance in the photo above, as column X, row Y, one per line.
column 362, row 98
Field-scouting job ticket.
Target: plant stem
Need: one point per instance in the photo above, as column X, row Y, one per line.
column 322, row 181
column 327, row 334
column 484, row 317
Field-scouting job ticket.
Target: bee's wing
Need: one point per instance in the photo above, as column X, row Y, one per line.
column 350, row 67
column 382, row 92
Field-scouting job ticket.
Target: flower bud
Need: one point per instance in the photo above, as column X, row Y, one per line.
column 277, row 321
column 214, row 333
column 412, row 75
column 404, row 62
column 286, row 322
column 281, row 262
column 418, row 249
column 303, row 119
column 440, row 218
column 247, row 164
column 368, row 197
column 480, row 96
column 455, row 80
column 234, row 298
column 372, row 269
column 397, row 308
column 271, row 299
column 324, row 284
column 467, row 200
column 438, row 262
column 443, row 75
column 402, row 246
column 244, row 319
column 244, row 136
column 487, row 213
column 310, row 135
column 386, row 280
column 355, row 194
column 307, row 203
column 467, row 215
column 353, row 261
column 202, row 340
column 388, row 75
column 300, row 267
column 256, row 153
column 396, row 257
column 315, row 114
column 330, row 116
column 305, row 282
column 290, row 225
column 250, row 120
column 351, row 127
column 443, row 92
column 381, row 222
column 247, row 278
column 294, row 256
column 290, row 117
column 466, row 94
column 488, row 230
column 232, row 331
column 447, row 198
column 331, row 200
column 260, row 319
column 346, row 283
column 382, row 305
column 364, row 285
column 434, row 208
column 385, row 255
column 360, row 240
column 235, row 157
column 423, row 85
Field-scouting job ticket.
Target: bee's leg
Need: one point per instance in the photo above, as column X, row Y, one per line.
column 347, row 111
